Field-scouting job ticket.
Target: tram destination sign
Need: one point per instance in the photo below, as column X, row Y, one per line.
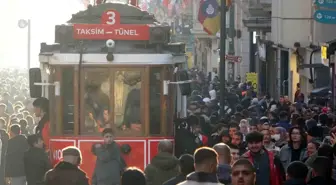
column 111, row 28
column 325, row 3
column 325, row 16
column 115, row 32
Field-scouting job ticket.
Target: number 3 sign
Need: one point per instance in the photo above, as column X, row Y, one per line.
column 110, row 17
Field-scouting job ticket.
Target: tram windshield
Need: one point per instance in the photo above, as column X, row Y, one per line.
column 112, row 98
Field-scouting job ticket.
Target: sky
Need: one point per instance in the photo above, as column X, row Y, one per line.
column 44, row 15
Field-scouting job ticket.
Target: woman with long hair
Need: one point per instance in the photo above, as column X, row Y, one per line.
column 296, row 149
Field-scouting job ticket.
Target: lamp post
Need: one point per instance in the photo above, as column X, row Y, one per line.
column 25, row 23
column 222, row 69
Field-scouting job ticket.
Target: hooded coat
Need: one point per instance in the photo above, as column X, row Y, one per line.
column 163, row 167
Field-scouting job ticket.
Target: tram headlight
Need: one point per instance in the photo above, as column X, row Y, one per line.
column 110, row 43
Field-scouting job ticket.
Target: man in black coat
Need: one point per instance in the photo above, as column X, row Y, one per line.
column 186, row 163
column 17, row 146
column 36, row 161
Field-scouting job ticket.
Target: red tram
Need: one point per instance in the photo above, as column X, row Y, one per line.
column 109, row 67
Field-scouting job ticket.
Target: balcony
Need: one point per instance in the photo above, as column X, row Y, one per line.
column 258, row 14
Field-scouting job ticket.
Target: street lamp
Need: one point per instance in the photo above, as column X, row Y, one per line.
column 23, row 23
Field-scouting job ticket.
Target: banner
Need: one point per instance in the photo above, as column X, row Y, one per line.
column 253, row 78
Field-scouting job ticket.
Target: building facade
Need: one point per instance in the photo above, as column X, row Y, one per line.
column 207, row 51
column 296, row 37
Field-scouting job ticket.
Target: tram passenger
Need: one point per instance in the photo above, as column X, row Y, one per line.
column 41, row 110
column 109, row 164
column 97, row 103
column 67, row 171
column 132, row 110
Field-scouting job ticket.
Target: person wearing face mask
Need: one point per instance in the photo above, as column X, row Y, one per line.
column 268, row 144
column 205, row 168
column 67, row 171
column 280, row 137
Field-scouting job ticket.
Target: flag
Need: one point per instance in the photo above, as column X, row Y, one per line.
column 209, row 16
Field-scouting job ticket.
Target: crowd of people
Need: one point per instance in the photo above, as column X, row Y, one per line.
column 259, row 141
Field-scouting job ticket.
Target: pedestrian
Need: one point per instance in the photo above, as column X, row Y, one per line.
column 205, row 168
column 17, row 146
column 322, row 172
column 41, row 110
column 269, row 170
column 163, row 166
column 296, row 149
column 67, row 171
column 296, row 173
column 109, row 164
column 243, row 173
column 224, row 161
column 36, row 161
column 133, row 176
column 186, row 163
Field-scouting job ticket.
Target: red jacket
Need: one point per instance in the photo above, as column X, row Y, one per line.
column 276, row 175
column 204, row 140
column 46, row 135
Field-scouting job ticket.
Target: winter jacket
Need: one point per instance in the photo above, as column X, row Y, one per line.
column 295, row 182
column 175, row 180
column 162, row 167
column 321, row 181
column 42, row 129
column 277, row 172
column 224, row 174
column 286, row 155
column 36, row 164
column 67, row 174
column 201, row 178
column 109, row 165
column 17, row 146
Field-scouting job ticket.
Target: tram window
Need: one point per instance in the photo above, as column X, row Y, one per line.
column 68, row 99
column 154, row 102
column 127, row 97
column 96, row 100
